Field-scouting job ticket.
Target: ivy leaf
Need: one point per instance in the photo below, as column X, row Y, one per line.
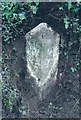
column 34, row 9
column 69, row 5
column 22, row 16
column 73, row 69
column 60, row 8
column 14, row 15
column 66, row 22
column 78, row 1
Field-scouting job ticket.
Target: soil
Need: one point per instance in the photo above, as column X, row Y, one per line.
column 63, row 99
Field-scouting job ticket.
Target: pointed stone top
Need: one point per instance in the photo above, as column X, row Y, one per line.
column 38, row 28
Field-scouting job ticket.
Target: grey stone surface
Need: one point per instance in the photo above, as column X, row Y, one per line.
column 42, row 54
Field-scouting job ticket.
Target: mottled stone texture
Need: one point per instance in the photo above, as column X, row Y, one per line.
column 42, row 54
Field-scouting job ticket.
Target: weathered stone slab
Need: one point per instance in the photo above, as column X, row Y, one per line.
column 42, row 54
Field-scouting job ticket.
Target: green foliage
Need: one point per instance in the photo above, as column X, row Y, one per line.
column 14, row 15
column 23, row 110
column 71, row 16
column 32, row 7
column 66, row 22
column 69, row 5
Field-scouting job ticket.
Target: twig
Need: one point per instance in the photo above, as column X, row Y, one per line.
column 17, row 30
column 55, row 17
column 74, row 105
